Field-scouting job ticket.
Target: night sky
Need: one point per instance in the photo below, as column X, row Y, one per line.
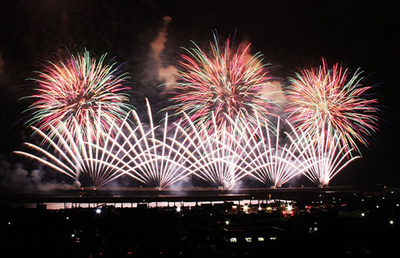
column 290, row 34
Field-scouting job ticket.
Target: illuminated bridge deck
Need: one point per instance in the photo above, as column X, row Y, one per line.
column 204, row 194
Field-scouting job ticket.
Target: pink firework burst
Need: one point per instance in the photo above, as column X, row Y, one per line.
column 222, row 82
column 332, row 98
column 81, row 88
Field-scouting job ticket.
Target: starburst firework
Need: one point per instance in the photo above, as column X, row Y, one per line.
column 80, row 88
column 332, row 98
column 221, row 83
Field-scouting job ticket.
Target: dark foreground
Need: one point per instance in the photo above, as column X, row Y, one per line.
column 327, row 224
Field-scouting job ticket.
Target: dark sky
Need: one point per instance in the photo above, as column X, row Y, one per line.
column 291, row 35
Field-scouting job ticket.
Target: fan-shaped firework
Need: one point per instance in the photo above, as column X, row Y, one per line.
column 133, row 149
column 223, row 82
column 273, row 161
column 72, row 153
column 80, row 88
column 215, row 155
column 332, row 97
column 323, row 157
column 161, row 156
column 139, row 152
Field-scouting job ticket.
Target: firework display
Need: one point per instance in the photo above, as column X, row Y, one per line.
column 272, row 162
column 137, row 152
column 226, row 130
column 81, row 87
column 161, row 156
column 224, row 82
column 323, row 155
column 335, row 99
column 70, row 152
column 217, row 156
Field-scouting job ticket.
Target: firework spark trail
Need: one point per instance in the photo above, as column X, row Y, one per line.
column 222, row 157
column 137, row 152
column 271, row 161
column 221, row 83
column 69, row 153
column 215, row 157
column 325, row 96
column 323, row 154
column 77, row 88
column 164, row 161
column 126, row 149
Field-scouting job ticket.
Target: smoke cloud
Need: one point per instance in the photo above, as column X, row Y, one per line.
column 273, row 89
column 166, row 74
column 17, row 177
